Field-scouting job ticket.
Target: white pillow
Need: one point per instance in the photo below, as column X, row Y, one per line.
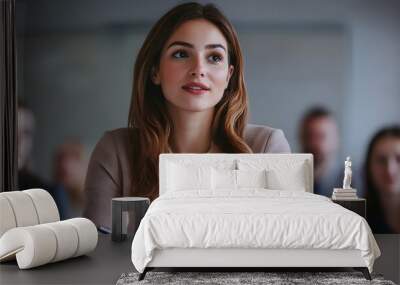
column 228, row 179
column 251, row 178
column 281, row 174
column 181, row 177
column 224, row 179
column 291, row 179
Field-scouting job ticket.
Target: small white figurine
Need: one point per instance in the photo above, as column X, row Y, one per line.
column 347, row 174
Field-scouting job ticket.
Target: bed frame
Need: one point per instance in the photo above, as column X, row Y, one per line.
column 249, row 259
column 234, row 259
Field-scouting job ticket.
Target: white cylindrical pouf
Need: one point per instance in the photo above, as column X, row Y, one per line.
column 45, row 206
column 23, row 208
column 7, row 218
column 87, row 235
column 40, row 247
column 40, row 244
column 67, row 239
column 34, row 246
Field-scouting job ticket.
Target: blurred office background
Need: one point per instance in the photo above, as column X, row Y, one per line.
column 75, row 62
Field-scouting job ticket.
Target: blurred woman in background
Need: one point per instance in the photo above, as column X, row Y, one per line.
column 382, row 169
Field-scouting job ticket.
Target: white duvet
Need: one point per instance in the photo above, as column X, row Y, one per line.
column 251, row 218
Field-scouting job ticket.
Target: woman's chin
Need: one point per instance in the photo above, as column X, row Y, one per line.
column 194, row 106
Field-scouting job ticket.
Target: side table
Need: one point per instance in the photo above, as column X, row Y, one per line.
column 127, row 212
column 357, row 205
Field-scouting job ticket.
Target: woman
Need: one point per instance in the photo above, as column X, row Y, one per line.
column 188, row 96
column 382, row 170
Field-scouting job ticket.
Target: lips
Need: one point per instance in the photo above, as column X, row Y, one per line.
column 196, row 88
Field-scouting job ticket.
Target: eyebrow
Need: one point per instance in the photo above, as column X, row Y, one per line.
column 210, row 46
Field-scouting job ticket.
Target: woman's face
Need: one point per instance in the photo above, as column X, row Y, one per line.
column 385, row 165
column 194, row 70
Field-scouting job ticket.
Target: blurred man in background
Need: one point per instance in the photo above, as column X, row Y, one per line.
column 319, row 135
column 27, row 179
column 25, row 133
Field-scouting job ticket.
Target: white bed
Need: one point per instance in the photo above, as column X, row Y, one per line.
column 268, row 218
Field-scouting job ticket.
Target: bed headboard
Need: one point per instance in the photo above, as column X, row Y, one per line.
column 279, row 162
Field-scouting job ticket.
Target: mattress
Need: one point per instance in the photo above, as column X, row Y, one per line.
column 251, row 219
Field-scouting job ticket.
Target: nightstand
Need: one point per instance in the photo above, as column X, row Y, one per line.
column 358, row 206
column 127, row 212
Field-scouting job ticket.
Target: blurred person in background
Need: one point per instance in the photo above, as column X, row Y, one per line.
column 27, row 179
column 70, row 166
column 382, row 181
column 319, row 135
column 25, row 134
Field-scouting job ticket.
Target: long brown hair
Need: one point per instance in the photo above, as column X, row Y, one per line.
column 148, row 116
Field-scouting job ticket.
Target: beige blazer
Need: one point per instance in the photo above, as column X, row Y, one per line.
column 109, row 171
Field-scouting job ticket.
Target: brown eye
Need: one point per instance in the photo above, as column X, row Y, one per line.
column 215, row 58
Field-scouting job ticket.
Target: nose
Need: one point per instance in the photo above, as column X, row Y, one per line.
column 198, row 67
column 194, row 74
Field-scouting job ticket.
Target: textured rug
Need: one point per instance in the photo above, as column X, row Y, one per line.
column 229, row 278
